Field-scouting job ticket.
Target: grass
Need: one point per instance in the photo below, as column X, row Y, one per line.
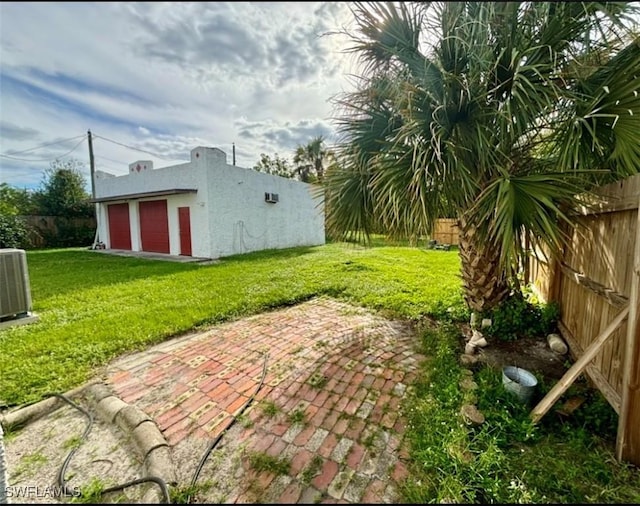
column 311, row 470
column 507, row 459
column 184, row 494
column 29, row 464
column 95, row 307
column 261, row 461
column 72, row 443
column 269, row 408
column 317, row 380
column 91, row 493
column 297, row 416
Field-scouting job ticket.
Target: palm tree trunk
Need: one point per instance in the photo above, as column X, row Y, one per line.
column 319, row 169
column 484, row 283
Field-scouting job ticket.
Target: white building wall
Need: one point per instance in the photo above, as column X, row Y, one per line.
column 241, row 220
column 102, row 222
column 229, row 214
column 134, row 225
column 176, row 176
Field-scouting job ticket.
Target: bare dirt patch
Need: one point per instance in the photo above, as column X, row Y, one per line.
column 530, row 353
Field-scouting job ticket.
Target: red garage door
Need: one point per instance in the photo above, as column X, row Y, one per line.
column 119, row 229
column 154, row 226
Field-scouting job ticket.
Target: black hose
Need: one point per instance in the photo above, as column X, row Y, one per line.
column 153, row 479
column 214, row 443
column 63, row 470
column 62, row 482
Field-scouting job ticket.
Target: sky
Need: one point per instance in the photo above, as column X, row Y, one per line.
column 164, row 78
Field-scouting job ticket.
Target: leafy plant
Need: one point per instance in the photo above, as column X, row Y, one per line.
column 518, row 317
column 483, row 111
column 549, row 317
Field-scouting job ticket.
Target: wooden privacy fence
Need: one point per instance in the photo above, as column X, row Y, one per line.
column 446, row 231
column 596, row 284
column 59, row 231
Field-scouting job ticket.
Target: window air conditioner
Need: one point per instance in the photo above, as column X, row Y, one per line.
column 271, row 197
column 15, row 294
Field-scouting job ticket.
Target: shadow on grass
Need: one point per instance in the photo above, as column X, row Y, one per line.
column 275, row 254
column 56, row 272
column 59, row 271
column 381, row 241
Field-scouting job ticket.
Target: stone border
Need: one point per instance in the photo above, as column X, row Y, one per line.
column 32, row 412
column 148, row 438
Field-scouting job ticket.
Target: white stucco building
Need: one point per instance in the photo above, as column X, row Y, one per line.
column 205, row 208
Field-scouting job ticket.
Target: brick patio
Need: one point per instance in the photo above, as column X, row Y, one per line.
column 344, row 370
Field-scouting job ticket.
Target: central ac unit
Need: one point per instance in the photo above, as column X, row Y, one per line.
column 15, row 294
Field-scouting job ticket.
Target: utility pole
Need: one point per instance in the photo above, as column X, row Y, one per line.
column 92, row 167
column 234, row 153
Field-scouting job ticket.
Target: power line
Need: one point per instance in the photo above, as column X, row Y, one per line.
column 45, row 145
column 112, row 160
column 135, row 149
column 102, row 164
column 44, row 159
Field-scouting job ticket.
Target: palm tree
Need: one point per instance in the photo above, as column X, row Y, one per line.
column 496, row 113
column 310, row 159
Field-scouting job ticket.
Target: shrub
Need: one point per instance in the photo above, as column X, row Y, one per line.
column 13, row 232
column 519, row 317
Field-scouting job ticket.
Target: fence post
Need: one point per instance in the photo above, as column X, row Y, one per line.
column 628, row 439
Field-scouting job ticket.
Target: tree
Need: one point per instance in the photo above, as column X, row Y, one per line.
column 63, row 191
column 498, row 113
column 309, row 160
column 15, row 201
column 276, row 166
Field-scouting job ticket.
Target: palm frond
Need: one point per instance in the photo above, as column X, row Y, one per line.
column 603, row 119
column 530, row 206
column 348, row 202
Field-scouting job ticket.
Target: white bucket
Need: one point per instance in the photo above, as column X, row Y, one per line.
column 520, row 382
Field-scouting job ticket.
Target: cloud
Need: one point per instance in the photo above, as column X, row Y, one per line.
column 164, row 78
column 15, row 132
column 218, row 41
column 290, row 135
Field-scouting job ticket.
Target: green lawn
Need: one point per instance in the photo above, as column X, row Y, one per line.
column 94, row 307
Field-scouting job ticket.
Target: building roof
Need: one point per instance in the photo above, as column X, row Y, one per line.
column 133, row 196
